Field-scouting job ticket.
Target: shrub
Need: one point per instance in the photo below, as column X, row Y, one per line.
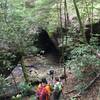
column 24, row 88
column 3, row 85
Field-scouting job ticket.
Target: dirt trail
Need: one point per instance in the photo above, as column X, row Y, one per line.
column 92, row 94
column 43, row 64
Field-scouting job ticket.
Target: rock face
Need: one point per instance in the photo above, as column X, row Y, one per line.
column 95, row 30
column 45, row 43
column 17, row 74
column 33, row 67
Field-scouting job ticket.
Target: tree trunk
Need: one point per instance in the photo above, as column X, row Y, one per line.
column 24, row 70
column 80, row 22
column 61, row 13
column 66, row 14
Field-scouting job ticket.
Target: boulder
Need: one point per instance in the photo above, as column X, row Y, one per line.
column 29, row 3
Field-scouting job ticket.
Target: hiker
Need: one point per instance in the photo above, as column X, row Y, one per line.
column 57, row 89
column 39, row 89
column 62, row 79
column 44, row 91
column 51, row 72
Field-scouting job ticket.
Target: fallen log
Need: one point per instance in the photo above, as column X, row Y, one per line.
column 88, row 87
column 92, row 82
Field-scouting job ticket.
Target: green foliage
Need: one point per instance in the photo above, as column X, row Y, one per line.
column 24, row 88
column 73, row 98
column 94, row 41
column 16, row 25
column 33, row 97
column 82, row 61
column 17, row 97
column 80, row 87
column 84, row 64
column 17, row 31
column 47, row 15
column 7, row 60
column 3, row 85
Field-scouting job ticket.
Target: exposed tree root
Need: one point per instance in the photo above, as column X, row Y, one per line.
column 70, row 91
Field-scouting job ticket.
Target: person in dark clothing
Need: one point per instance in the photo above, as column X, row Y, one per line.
column 51, row 73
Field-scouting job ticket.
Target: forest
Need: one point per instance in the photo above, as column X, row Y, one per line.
column 49, row 49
